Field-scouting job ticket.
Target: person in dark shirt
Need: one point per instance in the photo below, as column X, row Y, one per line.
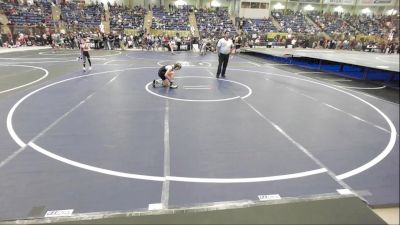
column 167, row 74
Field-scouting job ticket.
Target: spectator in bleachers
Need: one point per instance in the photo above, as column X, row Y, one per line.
column 87, row 17
column 37, row 13
column 372, row 24
column 331, row 23
column 176, row 20
column 258, row 26
column 212, row 23
column 341, row 27
column 122, row 17
column 294, row 22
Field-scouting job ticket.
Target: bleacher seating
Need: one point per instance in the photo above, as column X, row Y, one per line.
column 122, row 17
column 38, row 13
column 294, row 22
column 342, row 28
column 331, row 23
column 212, row 23
column 175, row 20
column 371, row 24
column 86, row 17
column 258, row 26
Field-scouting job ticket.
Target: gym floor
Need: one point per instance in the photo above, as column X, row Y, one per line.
column 105, row 140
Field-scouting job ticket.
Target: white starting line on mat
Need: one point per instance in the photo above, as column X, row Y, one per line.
column 185, row 63
column 201, row 87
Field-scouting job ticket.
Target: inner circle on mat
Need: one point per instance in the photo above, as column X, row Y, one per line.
column 46, row 73
column 361, row 168
column 202, row 89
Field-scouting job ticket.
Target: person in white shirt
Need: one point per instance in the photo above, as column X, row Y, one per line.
column 224, row 49
column 85, row 48
column 172, row 45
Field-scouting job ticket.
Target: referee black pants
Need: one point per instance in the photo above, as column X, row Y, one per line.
column 222, row 61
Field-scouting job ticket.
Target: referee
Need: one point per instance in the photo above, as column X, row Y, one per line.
column 224, row 48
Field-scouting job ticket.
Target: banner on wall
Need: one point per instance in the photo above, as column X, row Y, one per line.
column 344, row 2
column 376, row 2
column 272, row 35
